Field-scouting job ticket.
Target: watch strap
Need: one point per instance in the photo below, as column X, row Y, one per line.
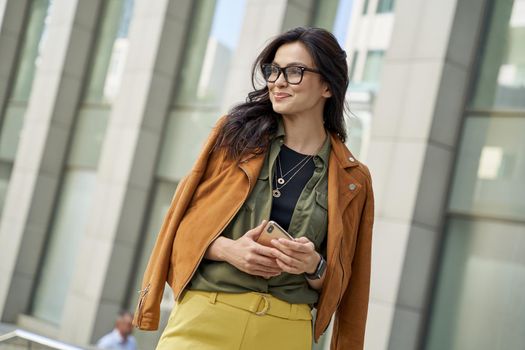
column 318, row 273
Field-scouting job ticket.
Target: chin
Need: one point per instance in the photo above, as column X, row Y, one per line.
column 280, row 109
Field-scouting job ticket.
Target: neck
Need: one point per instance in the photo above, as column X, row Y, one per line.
column 124, row 336
column 304, row 134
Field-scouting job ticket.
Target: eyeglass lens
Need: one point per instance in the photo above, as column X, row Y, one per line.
column 293, row 75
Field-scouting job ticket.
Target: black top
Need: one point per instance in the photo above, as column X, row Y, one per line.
column 283, row 206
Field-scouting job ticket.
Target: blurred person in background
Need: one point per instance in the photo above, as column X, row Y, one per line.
column 279, row 156
column 120, row 338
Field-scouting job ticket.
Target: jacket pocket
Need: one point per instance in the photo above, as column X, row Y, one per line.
column 319, row 219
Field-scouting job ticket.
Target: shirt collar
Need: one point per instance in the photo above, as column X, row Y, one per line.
column 117, row 335
column 280, row 128
column 324, row 152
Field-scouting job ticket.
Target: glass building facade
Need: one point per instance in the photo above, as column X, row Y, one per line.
column 76, row 193
column 12, row 120
column 479, row 301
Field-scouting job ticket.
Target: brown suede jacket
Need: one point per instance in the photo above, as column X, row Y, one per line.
column 208, row 198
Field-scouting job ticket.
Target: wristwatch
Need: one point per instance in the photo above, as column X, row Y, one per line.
column 318, row 273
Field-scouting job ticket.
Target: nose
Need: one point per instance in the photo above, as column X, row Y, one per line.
column 281, row 81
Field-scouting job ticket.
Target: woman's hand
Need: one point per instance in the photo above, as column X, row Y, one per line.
column 297, row 256
column 246, row 254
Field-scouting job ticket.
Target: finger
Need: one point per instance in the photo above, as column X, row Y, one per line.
column 283, row 246
column 302, row 239
column 307, row 247
column 289, row 260
column 280, row 247
column 270, row 276
column 261, row 261
column 287, row 268
column 264, row 271
column 256, row 231
column 264, row 250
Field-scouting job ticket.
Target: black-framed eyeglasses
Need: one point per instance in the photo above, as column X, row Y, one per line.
column 292, row 74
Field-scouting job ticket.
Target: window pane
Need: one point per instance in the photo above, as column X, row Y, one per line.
column 89, row 133
column 12, row 121
column 342, row 21
column 213, row 37
column 480, row 300
column 365, row 7
column 490, row 173
column 502, row 71
column 385, row 6
column 110, row 52
column 333, row 15
column 184, row 137
column 38, row 19
column 10, row 132
column 372, row 70
column 325, row 14
column 74, row 202
column 351, row 72
column 5, row 173
column 358, row 126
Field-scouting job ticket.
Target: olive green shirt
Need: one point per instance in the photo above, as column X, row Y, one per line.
column 308, row 219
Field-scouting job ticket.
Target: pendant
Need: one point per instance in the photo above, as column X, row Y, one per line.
column 276, row 193
column 280, row 181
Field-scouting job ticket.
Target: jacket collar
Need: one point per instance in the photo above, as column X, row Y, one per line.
column 340, row 178
column 345, row 158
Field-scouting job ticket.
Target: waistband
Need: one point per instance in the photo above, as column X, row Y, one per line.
column 259, row 304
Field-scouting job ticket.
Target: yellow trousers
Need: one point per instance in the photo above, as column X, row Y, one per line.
column 251, row 321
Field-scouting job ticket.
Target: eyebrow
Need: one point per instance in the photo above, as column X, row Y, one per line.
column 292, row 64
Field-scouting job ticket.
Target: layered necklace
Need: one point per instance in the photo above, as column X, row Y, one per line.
column 281, row 181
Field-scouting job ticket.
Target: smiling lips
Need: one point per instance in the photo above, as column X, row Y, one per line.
column 281, row 96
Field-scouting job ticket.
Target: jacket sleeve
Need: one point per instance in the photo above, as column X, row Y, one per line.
column 350, row 319
column 147, row 313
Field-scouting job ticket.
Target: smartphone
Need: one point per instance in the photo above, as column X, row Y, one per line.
column 272, row 230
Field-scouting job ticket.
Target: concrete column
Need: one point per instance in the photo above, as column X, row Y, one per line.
column 418, row 113
column 126, row 170
column 12, row 20
column 262, row 21
column 43, row 144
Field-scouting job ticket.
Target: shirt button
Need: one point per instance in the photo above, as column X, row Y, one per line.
column 318, row 170
column 352, row 187
column 352, row 159
column 281, row 141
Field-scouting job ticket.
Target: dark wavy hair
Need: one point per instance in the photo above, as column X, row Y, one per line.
column 249, row 126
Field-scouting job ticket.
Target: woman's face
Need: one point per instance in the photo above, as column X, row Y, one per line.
column 309, row 95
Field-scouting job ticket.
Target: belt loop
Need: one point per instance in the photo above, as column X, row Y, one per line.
column 266, row 306
column 213, row 297
column 293, row 312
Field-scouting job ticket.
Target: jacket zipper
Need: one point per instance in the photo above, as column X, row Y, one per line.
column 342, row 278
column 142, row 300
column 340, row 297
column 217, row 235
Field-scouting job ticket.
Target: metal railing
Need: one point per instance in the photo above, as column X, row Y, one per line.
column 19, row 339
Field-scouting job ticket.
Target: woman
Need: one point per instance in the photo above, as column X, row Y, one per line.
column 280, row 156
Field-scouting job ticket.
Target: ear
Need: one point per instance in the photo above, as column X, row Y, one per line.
column 326, row 91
